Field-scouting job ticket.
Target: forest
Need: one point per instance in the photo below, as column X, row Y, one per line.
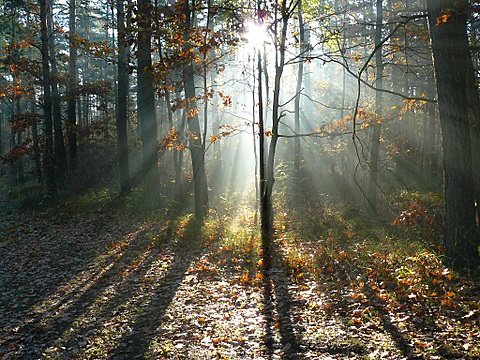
column 233, row 179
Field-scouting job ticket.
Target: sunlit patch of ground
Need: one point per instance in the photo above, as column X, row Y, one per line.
column 105, row 285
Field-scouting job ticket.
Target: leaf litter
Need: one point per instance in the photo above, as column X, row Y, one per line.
column 109, row 285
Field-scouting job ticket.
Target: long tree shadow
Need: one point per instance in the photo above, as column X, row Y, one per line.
column 120, row 290
column 135, row 344
column 402, row 342
column 43, row 275
column 278, row 306
column 52, row 319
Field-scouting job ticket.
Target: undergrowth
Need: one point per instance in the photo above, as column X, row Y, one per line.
column 385, row 274
column 372, row 276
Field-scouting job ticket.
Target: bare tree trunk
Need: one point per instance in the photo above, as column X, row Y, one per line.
column 47, row 104
column 474, row 117
column 21, row 172
column 451, row 57
column 376, row 130
column 270, row 165
column 146, row 104
column 36, row 145
column 264, row 206
column 196, row 145
column 72, row 87
column 2, row 130
column 59, row 145
column 122, row 105
column 302, row 47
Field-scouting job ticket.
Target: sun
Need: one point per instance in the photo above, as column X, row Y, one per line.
column 256, row 34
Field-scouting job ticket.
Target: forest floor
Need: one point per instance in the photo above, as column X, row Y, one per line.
column 97, row 280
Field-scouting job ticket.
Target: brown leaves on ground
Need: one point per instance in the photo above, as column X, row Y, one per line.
column 108, row 285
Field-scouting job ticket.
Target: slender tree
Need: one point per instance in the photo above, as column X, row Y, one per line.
column 122, row 91
column 285, row 13
column 72, row 85
column 376, row 129
column 196, row 145
column 146, row 103
column 302, row 48
column 47, row 102
column 59, row 143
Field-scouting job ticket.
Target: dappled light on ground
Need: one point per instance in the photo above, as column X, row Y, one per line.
column 170, row 288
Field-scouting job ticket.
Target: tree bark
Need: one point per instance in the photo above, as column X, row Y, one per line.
column 377, row 127
column 21, row 171
column 36, row 145
column 59, row 144
column 72, row 87
column 196, row 146
column 122, row 108
column 47, row 104
column 302, row 47
column 448, row 33
column 146, row 104
column 264, row 213
column 270, row 165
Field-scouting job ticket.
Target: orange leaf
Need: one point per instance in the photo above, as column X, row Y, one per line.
column 449, row 294
column 443, row 19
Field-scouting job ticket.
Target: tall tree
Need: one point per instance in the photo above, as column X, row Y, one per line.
column 122, row 107
column 376, row 129
column 59, row 143
column 451, row 57
column 47, row 102
column 146, row 102
column 302, row 48
column 197, row 149
column 284, row 13
column 72, row 85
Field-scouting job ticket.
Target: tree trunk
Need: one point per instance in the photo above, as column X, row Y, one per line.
column 21, row 172
column 59, row 145
column 2, row 131
column 36, row 145
column 13, row 169
column 302, row 47
column 264, row 206
column 196, row 146
column 47, row 104
column 146, row 104
column 448, row 33
column 72, row 87
column 376, row 130
column 122, row 108
column 474, row 116
column 266, row 200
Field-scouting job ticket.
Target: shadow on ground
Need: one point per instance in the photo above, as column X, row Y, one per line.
column 68, row 296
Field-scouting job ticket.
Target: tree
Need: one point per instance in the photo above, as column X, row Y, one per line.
column 302, row 50
column 146, row 102
column 72, row 85
column 59, row 144
column 122, row 91
column 197, row 149
column 451, row 57
column 47, row 102
column 376, row 129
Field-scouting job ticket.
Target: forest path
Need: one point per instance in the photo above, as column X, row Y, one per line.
column 104, row 284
